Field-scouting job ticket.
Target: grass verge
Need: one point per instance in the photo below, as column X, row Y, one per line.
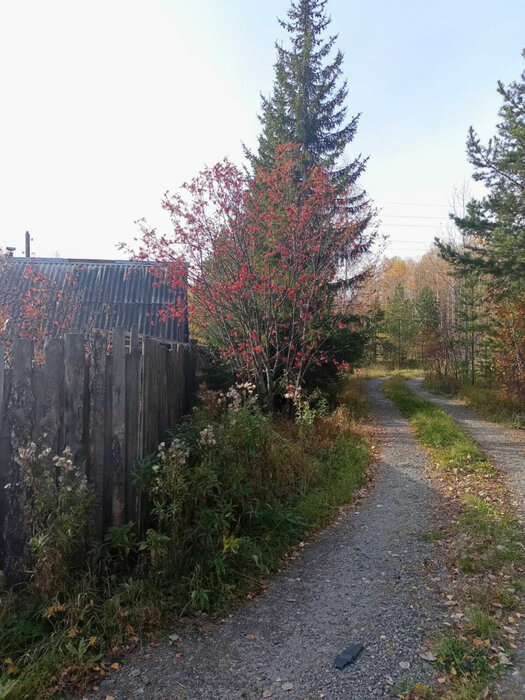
column 485, row 546
column 249, row 489
column 491, row 403
column 378, row 371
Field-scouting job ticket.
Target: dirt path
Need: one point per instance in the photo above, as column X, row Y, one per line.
column 506, row 450
column 505, row 446
column 364, row 580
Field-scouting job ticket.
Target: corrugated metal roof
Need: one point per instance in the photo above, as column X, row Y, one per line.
column 107, row 293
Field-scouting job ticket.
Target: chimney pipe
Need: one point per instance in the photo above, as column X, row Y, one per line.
column 28, row 245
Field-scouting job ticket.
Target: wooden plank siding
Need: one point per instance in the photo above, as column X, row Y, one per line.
column 109, row 398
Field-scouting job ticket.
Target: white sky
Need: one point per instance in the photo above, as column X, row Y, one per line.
column 106, row 104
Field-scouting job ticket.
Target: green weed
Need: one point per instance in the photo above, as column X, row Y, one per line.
column 231, row 492
column 452, row 446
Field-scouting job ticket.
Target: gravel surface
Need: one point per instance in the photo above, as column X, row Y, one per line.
column 368, row 579
column 505, row 448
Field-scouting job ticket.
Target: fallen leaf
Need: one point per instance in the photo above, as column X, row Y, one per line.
column 115, row 666
column 428, row 656
column 267, row 694
column 442, row 680
column 287, row 686
column 504, row 659
column 404, row 664
column 251, row 637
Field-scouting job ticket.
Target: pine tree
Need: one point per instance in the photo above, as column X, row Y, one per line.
column 494, row 227
column 307, row 106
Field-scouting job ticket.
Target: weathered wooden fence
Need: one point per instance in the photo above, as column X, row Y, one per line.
column 110, row 398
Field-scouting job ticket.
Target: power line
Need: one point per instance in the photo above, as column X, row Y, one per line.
column 410, row 225
column 415, row 204
column 412, row 216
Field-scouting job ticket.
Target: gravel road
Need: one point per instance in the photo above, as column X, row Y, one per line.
column 506, row 450
column 504, row 446
column 368, row 579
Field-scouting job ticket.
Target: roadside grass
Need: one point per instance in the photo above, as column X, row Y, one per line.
column 352, row 396
column 485, row 546
column 378, row 371
column 56, row 644
column 452, row 447
column 490, row 402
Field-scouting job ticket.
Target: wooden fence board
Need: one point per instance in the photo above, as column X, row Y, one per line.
column 118, row 443
column 74, row 399
column 4, row 448
column 132, row 421
column 54, row 393
column 110, row 404
column 97, row 425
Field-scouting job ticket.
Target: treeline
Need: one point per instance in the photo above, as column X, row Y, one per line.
column 419, row 314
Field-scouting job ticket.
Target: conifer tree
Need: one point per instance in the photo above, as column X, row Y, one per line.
column 427, row 316
column 494, row 227
column 400, row 324
column 307, row 105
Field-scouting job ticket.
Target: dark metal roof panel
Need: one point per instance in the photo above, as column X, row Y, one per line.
column 110, row 293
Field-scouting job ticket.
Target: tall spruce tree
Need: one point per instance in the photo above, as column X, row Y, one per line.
column 494, row 227
column 307, row 105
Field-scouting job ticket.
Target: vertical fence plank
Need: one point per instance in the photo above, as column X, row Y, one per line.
column 108, row 437
column 74, row 399
column 132, row 421
column 164, row 421
column 4, row 454
column 118, row 442
column 97, row 425
column 53, row 370
column 146, row 446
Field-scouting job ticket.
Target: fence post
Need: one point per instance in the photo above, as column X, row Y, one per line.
column 118, row 441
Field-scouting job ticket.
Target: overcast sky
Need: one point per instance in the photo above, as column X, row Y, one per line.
column 107, row 104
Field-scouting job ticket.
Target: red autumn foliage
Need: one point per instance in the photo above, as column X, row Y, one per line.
column 29, row 315
column 263, row 261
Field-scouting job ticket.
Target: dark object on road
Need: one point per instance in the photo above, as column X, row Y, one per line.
column 348, row 655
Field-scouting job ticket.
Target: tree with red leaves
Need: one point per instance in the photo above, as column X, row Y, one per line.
column 268, row 262
column 43, row 310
